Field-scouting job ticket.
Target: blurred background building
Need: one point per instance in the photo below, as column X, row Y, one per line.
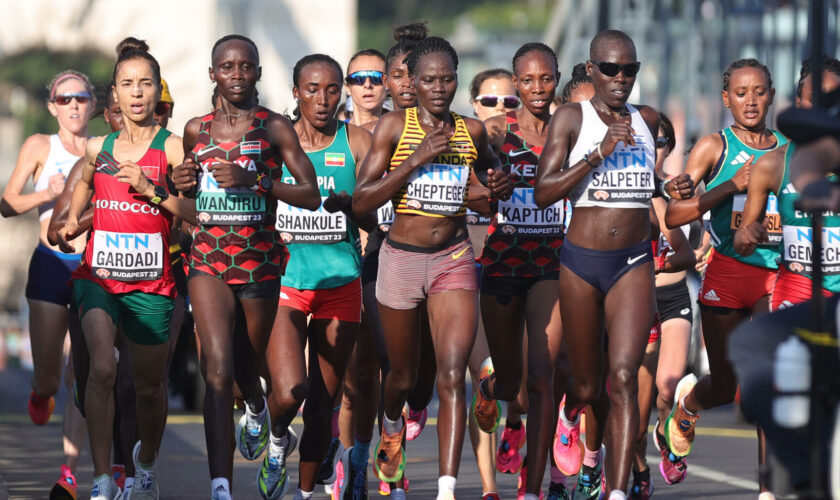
column 684, row 46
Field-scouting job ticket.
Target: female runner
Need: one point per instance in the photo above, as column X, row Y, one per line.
column 48, row 160
column 734, row 287
column 126, row 279
column 606, row 262
column 235, row 261
column 520, row 262
column 321, row 280
column 366, row 87
column 426, row 256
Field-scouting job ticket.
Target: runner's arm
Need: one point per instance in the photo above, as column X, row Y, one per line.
column 31, row 155
column 82, row 193
column 683, row 257
column 765, row 178
column 360, row 140
column 304, row 192
column 488, row 167
column 554, row 182
column 62, row 205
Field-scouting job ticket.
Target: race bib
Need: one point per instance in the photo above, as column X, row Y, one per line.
column 623, row 177
column 127, row 256
column 299, row 225
column 385, row 216
column 437, row 188
column 799, row 251
column 519, row 215
column 237, row 206
column 476, row 219
column 774, row 232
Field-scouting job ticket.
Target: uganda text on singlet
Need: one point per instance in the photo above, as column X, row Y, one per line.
column 438, row 188
column 625, row 178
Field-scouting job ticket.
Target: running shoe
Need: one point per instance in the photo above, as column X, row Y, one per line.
column 567, row 448
column 389, row 457
column 252, row 432
column 104, row 488
column 415, row 422
column 118, row 472
column 272, row 481
column 327, row 473
column 590, row 484
column 145, row 485
column 220, row 493
column 40, row 408
column 508, row 458
column 642, row 488
column 491, row 496
column 385, row 488
column 486, row 412
column 399, row 494
column 522, row 484
column 351, row 485
column 672, row 467
column 679, row 428
column 557, row 491
column 65, row 487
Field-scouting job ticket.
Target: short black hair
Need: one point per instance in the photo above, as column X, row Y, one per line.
column 607, row 36
column 234, row 36
column 746, row 63
column 487, row 74
column 536, row 47
column 306, row 61
column 579, row 77
column 830, row 65
column 668, row 129
column 427, row 46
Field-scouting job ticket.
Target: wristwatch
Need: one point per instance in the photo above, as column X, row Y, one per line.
column 263, row 184
column 161, row 194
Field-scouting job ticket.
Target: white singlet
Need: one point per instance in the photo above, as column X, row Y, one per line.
column 625, row 178
column 59, row 161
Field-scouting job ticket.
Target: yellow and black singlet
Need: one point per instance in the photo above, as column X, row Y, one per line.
column 438, row 188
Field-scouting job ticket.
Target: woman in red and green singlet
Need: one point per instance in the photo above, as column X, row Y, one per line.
column 234, row 160
column 125, row 279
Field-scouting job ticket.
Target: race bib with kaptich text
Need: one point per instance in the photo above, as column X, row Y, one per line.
column 520, row 216
column 239, row 206
column 771, row 212
column 299, row 225
column 438, row 189
column 127, row 256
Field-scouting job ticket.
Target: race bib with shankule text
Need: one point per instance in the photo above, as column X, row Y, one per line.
column 299, row 225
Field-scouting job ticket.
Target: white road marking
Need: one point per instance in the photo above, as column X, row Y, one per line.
column 719, row 477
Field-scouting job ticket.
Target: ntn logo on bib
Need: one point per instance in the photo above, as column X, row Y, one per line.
column 437, row 188
column 127, row 256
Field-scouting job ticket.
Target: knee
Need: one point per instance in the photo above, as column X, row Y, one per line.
column 288, row 398
column 149, row 391
column 665, row 387
column 450, row 381
column 218, row 375
column 624, row 382
column 103, row 371
column 587, row 391
column 402, row 380
column 540, row 385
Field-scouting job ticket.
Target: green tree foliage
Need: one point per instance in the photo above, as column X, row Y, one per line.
column 33, row 69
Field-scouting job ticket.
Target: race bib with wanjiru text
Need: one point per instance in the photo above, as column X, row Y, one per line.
column 237, row 206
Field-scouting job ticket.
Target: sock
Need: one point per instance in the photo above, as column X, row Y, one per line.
column 513, row 425
column 257, row 407
column 566, row 420
column 304, row 495
column 591, row 458
column 214, row 484
column 446, row 487
column 392, row 426
column 530, row 496
column 682, row 404
column 335, row 412
column 275, row 443
column 129, row 482
column 360, row 454
column 617, row 495
column 557, row 477
column 766, row 495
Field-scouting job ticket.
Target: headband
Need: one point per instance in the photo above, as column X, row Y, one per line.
column 65, row 78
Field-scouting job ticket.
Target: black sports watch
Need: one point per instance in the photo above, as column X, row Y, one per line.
column 161, row 194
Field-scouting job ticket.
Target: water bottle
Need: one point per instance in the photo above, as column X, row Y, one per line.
column 792, row 381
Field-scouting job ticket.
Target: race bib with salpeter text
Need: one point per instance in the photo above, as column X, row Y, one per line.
column 237, row 206
column 519, row 215
column 799, row 251
column 127, row 256
column 437, row 188
column 299, row 225
column 624, row 176
column 774, row 231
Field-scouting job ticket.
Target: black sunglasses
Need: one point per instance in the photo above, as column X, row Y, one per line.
column 359, row 77
column 661, row 142
column 65, row 99
column 612, row 69
column 490, row 100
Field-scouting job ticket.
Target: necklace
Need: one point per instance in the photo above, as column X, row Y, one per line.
column 234, row 115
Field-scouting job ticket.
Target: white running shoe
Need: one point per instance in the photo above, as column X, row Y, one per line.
column 221, row 493
column 252, row 432
column 145, row 485
column 104, row 488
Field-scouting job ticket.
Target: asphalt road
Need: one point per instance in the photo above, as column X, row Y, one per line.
column 722, row 464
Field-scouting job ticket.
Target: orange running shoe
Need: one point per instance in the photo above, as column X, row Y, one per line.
column 486, row 412
column 40, row 409
column 389, row 457
column 679, row 428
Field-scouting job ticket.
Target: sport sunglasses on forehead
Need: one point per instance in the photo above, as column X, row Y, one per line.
column 490, row 100
column 64, row 99
column 612, row 69
column 661, row 142
column 359, row 77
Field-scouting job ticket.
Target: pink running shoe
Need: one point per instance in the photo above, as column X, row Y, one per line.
column 567, row 448
column 523, row 484
column 415, row 422
column 508, row 458
column 672, row 467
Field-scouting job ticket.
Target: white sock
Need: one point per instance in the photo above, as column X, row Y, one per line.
column 392, row 426
column 215, row 483
column 303, row 495
column 682, row 403
column 530, row 496
column 129, row 482
column 446, row 487
column 617, row 495
column 766, row 495
column 275, row 443
column 566, row 421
